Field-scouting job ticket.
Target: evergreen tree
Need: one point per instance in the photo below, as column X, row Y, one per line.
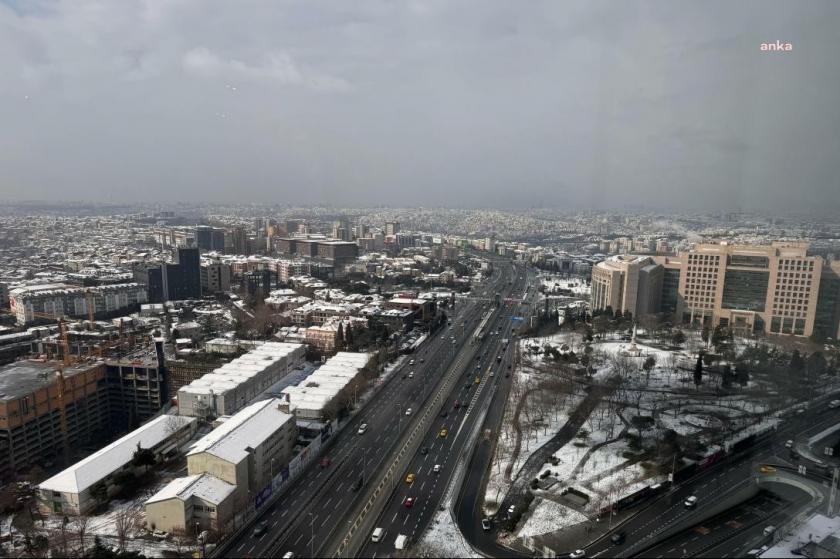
column 796, row 361
column 339, row 337
column 678, row 338
column 698, row 370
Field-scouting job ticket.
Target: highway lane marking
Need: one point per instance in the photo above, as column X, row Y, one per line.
column 284, row 513
column 392, row 520
column 298, row 538
column 241, row 546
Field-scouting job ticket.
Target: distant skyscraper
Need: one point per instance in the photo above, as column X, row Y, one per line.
column 183, row 280
column 240, row 241
column 392, row 227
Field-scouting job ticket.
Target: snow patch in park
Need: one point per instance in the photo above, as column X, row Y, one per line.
column 548, row 516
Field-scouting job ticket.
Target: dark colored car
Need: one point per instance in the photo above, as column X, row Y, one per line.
column 618, row 538
column 356, row 485
column 259, row 530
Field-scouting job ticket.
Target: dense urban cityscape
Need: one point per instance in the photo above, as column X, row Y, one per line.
column 424, row 278
column 302, row 382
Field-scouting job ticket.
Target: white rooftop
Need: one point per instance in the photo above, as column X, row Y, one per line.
column 250, row 427
column 204, row 486
column 111, row 458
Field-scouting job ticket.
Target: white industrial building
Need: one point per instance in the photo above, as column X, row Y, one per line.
column 310, row 398
column 68, row 492
column 232, row 386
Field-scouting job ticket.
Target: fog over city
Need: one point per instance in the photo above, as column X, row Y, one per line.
column 574, row 104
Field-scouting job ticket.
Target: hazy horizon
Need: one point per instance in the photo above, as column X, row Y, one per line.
column 580, row 105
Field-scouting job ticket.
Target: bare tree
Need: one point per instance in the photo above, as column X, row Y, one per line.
column 80, row 525
column 125, row 520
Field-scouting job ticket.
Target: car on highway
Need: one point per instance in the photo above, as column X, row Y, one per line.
column 767, row 469
column 424, row 451
column 511, row 510
column 357, row 484
column 834, row 404
column 409, row 479
column 411, row 362
column 409, row 502
column 411, row 374
column 456, row 404
column 577, row 554
column 377, row 535
column 477, row 380
column 789, row 443
column 325, row 461
column 408, row 411
column 259, row 530
column 618, row 538
column 443, row 432
column 362, row 429
column 422, row 360
column 436, row 469
column 690, row 502
column 444, row 413
column 289, row 555
column 485, row 524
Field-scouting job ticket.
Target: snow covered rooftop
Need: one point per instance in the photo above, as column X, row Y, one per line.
column 111, row 458
column 250, row 427
column 204, row 486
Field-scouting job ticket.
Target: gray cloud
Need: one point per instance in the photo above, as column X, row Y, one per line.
column 576, row 103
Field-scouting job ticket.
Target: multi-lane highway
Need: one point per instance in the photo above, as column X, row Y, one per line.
column 414, row 500
column 314, row 510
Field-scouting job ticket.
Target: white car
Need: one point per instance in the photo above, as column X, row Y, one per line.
column 577, row 554
column 690, row 502
column 362, row 428
column 436, row 469
column 789, row 443
column 408, row 411
column 411, row 374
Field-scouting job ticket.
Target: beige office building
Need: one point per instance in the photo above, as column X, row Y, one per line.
column 776, row 289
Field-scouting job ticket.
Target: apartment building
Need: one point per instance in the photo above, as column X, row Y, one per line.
column 30, row 303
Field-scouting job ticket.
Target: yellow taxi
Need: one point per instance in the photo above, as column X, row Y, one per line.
column 410, row 478
column 767, row 469
column 443, row 433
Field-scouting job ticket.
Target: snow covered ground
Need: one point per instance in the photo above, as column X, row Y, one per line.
column 555, row 283
column 548, row 516
column 443, row 539
column 815, row 529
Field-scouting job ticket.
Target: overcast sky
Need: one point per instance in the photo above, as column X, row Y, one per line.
column 441, row 103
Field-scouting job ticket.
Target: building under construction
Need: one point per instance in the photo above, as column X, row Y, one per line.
column 46, row 410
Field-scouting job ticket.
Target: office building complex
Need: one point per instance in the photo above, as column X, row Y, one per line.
column 776, row 289
column 173, row 282
column 210, row 238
